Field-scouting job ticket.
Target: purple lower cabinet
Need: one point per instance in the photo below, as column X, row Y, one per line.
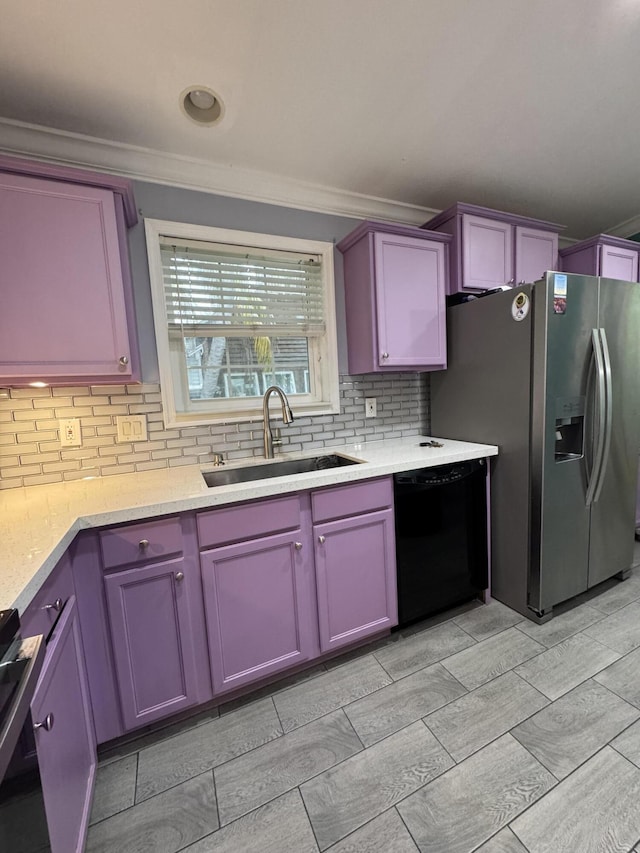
column 66, row 745
column 150, row 612
column 257, row 598
column 356, row 578
column 88, row 580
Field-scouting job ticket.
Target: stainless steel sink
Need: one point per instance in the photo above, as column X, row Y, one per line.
column 228, row 476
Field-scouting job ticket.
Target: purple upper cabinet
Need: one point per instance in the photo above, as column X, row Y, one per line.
column 491, row 248
column 67, row 309
column 535, row 252
column 395, row 282
column 605, row 255
column 487, row 252
column 64, row 736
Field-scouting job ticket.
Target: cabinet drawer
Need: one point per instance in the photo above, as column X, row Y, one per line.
column 41, row 615
column 248, row 521
column 135, row 543
column 356, row 498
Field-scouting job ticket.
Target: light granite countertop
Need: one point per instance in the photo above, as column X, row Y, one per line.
column 38, row 523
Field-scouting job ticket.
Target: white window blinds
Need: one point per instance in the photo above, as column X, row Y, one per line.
column 216, row 289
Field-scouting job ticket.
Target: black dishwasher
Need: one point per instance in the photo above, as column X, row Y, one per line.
column 441, row 537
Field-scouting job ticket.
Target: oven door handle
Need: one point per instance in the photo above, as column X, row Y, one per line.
column 13, row 719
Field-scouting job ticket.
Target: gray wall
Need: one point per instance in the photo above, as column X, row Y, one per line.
column 30, row 451
column 155, row 201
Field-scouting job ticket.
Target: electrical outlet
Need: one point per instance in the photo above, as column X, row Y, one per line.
column 70, row 435
column 131, row 428
column 370, row 407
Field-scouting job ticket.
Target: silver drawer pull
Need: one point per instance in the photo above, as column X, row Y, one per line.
column 298, row 546
column 124, row 360
column 321, row 540
column 143, row 544
column 385, row 355
column 179, row 576
column 57, row 605
column 46, row 724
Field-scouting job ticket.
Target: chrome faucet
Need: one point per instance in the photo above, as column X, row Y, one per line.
column 287, row 417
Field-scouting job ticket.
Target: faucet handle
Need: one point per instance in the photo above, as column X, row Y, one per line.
column 218, row 459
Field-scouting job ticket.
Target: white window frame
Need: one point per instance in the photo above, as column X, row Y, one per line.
column 325, row 362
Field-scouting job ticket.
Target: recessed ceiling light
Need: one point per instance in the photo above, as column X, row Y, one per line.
column 202, row 105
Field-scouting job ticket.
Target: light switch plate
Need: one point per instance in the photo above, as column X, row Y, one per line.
column 370, row 407
column 131, row 428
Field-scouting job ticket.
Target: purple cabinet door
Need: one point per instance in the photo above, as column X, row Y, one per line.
column 487, row 253
column 66, row 751
column 64, row 316
column 151, row 631
column 258, row 608
column 410, row 302
column 536, row 252
column 356, row 578
column 616, row 262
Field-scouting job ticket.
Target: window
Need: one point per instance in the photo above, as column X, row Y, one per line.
column 236, row 312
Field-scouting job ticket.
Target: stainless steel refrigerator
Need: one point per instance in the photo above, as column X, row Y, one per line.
column 550, row 372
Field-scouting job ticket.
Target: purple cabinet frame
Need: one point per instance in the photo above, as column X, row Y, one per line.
column 355, row 576
column 492, row 248
column 69, row 315
column 605, row 255
column 66, row 750
column 174, row 630
column 257, row 604
column 395, row 282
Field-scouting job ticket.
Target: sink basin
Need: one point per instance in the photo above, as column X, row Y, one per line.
column 227, row 476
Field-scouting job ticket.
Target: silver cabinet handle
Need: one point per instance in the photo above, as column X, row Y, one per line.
column 384, row 355
column 321, row 540
column 46, row 724
column 143, row 544
column 57, row 605
column 179, row 576
column 124, row 360
column 298, row 546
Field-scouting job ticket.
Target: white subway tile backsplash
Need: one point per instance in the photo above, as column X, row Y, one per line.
column 19, row 471
column 99, row 390
column 16, row 404
column 70, row 412
column 14, row 449
column 30, row 452
column 29, row 393
column 42, row 479
column 60, row 466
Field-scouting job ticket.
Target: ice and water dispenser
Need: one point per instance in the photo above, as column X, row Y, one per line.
column 569, row 443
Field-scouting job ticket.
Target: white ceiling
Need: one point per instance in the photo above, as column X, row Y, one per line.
column 529, row 106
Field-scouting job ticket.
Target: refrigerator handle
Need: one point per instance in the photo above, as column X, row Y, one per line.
column 600, row 415
column 608, row 407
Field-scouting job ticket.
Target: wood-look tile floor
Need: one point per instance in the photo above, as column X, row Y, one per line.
column 477, row 731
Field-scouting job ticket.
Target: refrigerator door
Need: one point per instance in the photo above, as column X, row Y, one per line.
column 565, row 314
column 613, row 510
column 485, row 395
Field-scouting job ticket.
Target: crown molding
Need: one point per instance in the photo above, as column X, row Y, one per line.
column 146, row 164
column 627, row 228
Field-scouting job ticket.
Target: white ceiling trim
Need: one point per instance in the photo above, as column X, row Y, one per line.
column 627, row 228
column 146, row 164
